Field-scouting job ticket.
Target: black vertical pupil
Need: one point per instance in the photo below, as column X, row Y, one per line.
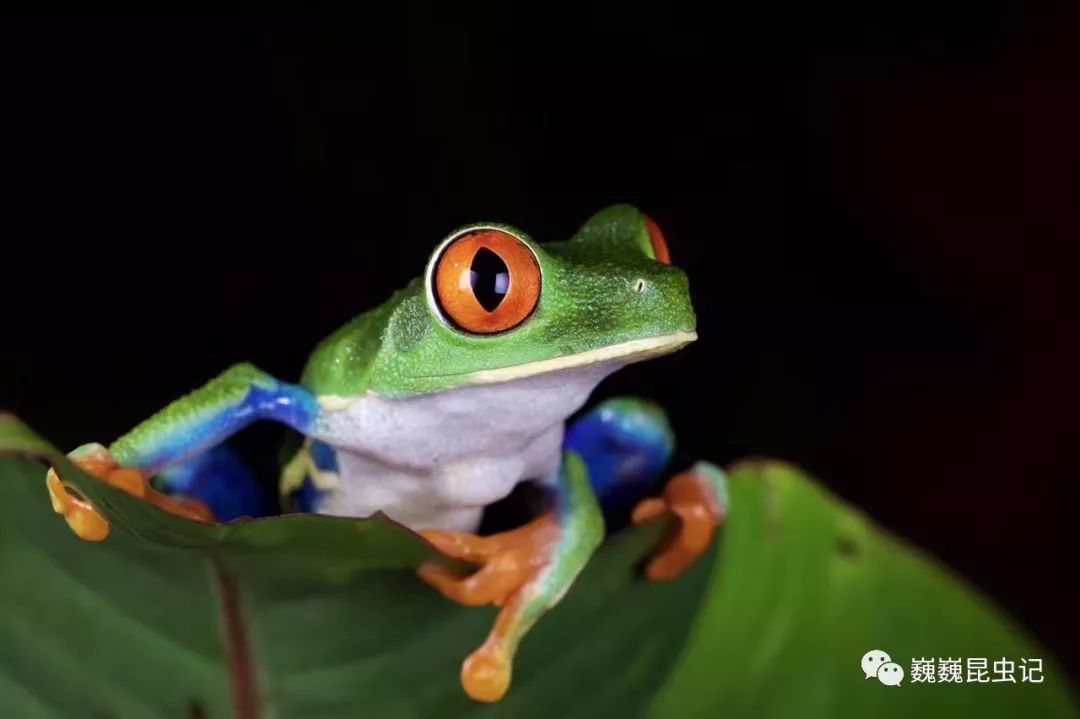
column 490, row 278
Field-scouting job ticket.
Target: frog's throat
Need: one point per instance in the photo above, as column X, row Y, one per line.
column 626, row 352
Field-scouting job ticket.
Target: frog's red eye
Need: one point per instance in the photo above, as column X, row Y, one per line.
column 659, row 244
column 486, row 281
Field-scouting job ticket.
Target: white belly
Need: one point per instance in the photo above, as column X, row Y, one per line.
column 435, row 461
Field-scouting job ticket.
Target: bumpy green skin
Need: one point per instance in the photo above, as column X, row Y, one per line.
column 588, row 299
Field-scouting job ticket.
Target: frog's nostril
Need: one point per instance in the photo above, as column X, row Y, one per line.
column 639, row 286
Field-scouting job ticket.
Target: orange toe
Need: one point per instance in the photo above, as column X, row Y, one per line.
column 485, row 676
column 649, row 509
column 691, row 498
column 180, row 506
column 507, row 561
column 492, row 584
column 80, row 515
column 510, row 564
column 85, row 520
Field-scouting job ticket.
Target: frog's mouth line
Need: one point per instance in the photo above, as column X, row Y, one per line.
column 628, row 351
column 623, row 352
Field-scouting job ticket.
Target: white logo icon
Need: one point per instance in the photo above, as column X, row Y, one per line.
column 873, row 660
column 890, row 674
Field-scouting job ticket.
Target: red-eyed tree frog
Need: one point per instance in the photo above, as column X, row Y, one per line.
column 438, row 403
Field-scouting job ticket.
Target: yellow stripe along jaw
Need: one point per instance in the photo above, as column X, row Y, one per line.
column 633, row 350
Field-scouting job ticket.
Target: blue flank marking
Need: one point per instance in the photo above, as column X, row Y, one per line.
column 220, row 479
column 626, row 444
column 288, row 404
column 309, row 497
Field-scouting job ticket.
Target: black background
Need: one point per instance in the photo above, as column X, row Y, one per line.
column 877, row 209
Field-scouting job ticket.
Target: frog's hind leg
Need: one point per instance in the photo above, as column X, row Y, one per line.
column 627, row 444
column 219, row 479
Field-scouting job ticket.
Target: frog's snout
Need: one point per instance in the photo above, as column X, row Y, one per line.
column 663, row 294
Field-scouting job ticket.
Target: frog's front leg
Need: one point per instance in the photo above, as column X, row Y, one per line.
column 241, row 395
column 524, row 571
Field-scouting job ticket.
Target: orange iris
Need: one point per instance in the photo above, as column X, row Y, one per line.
column 487, row 281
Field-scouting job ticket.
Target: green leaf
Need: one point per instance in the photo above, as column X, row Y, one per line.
column 804, row 586
column 315, row 616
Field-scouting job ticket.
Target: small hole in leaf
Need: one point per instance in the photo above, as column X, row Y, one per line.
column 847, row 547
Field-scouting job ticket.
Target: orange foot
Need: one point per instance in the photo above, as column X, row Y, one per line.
column 693, row 498
column 511, row 576
column 87, row 522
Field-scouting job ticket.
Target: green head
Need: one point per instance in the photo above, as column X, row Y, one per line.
column 494, row 306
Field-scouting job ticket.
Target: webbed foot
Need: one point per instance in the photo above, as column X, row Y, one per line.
column 513, row 570
column 85, row 520
column 697, row 499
